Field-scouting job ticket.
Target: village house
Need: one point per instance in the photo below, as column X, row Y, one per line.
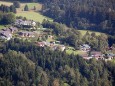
column 110, row 48
column 10, row 29
column 109, row 56
column 41, row 44
column 26, row 34
column 13, row 29
column 58, row 42
column 96, row 54
column 50, row 36
column 61, row 47
column 58, row 47
column 6, row 29
column 85, row 47
column 5, row 35
column 51, row 45
column 41, row 28
column 21, row 22
column 86, row 56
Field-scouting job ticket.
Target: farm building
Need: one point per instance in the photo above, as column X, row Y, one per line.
column 85, row 47
column 5, row 35
column 26, row 34
column 26, row 23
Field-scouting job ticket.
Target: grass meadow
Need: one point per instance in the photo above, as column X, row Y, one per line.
column 33, row 16
column 83, row 32
column 71, row 50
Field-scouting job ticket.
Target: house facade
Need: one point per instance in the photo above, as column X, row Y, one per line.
column 85, row 47
column 5, row 35
column 21, row 22
column 26, row 34
column 13, row 29
column 96, row 54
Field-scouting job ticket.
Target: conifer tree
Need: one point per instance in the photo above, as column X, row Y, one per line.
column 26, row 8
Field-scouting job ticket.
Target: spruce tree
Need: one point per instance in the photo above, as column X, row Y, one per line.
column 12, row 9
column 34, row 7
column 26, row 8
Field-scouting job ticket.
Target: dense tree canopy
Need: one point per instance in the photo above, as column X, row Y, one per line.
column 16, row 4
column 26, row 8
column 7, row 18
column 98, row 15
column 6, row 9
column 25, row 64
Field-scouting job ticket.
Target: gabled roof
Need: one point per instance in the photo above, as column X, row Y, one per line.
column 6, row 33
column 25, row 22
column 6, row 29
column 13, row 28
column 110, row 54
column 26, row 33
column 86, row 45
column 96, row 53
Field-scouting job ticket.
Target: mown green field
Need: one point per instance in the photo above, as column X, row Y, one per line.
column 83, row 32
column 113, row 61
column 71, row 50
column 33, row 16
column 2, row 26
column 6, row 3
column 50, row 39
column 30, row 5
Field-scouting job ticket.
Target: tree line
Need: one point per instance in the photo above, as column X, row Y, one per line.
column 12, row 8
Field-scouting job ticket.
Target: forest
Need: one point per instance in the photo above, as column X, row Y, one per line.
column 97, row 15
column 25, row 64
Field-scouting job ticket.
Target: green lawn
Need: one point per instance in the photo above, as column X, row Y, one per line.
column 113, row 61
column 2, row 26
column 31, row 5
column 6, row 3
column 33, row 16
column 71, row 50
column 50, row 39
column 65, row 84
column 83, row 32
